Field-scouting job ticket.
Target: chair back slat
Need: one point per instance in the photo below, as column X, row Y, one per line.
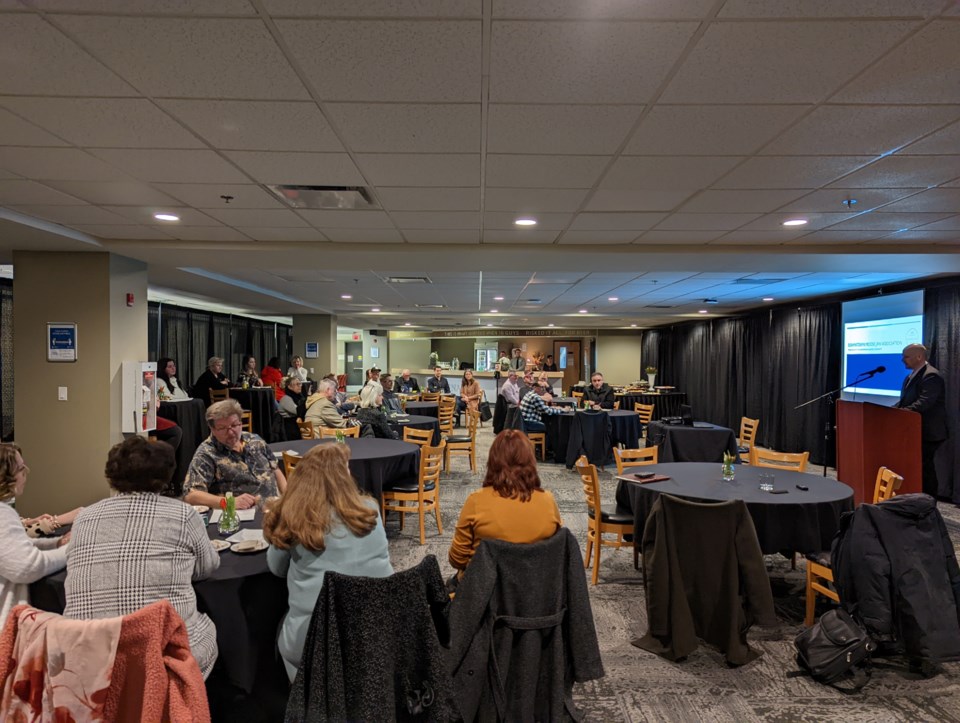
column 419, row 437
column 591, row 483
column 645, row 411
column 888, row 482
column 635, row 457
column 796, row 461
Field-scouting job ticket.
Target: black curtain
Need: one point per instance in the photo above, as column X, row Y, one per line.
column 220, row 342
column 201, row 330
column 284, row 345
column 942, row 317
column 153, row 331
column 239, row 344
column 176, row 338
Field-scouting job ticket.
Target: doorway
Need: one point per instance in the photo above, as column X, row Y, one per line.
column 354, row 363
column 566, row 354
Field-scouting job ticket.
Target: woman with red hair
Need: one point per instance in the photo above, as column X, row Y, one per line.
column 511, row 506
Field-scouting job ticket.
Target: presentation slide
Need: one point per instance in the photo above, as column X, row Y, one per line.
column 875, row 330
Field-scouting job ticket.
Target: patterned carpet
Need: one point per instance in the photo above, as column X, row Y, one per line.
column 640, row 686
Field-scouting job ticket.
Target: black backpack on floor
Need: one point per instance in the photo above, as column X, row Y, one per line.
column 836, row 649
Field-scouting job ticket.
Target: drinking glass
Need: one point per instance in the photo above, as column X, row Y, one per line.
column 766, row 481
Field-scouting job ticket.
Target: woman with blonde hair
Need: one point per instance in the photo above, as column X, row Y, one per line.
column 323, row 522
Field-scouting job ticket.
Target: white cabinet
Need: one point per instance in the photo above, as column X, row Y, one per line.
column 139, row 398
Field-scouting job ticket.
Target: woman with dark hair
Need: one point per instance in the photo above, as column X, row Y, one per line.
column 272, row 376
column 511, row 505
column 139, row 547
column 322, row 523
column 470, row 393
column 248, row 372
column 168, row 386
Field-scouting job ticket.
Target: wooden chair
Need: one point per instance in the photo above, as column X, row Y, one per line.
column 246, row 419
column 307, row 430
column 577, row 398
column 420, row 437
column 425, row 494
column 819, row 572
column 602, row 520
column 634, row 457
column 539, row 441
column 616, row 404
column 218, row 395
column 796, row 461
column 332, row 432
column 289, row 462
column 464, row 443
column 430, row 396
column 748, row 433
column 445, row 413
column 645, row 411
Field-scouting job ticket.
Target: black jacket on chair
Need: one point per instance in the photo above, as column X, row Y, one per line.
column 522, row 631
column 896, row 572
column 499, row 414
column 372, row 651
column 590, row 434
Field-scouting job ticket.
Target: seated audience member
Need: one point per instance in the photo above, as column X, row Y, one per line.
column 510, row 506
column 599, row 394
column 407, row 384
column 470, row 393
column 370, row 413
column 323, row 523
column 24, row 560
column 322, row 409
column 168, row 386
column 46, row 525
column 437, row 383
column 532, row 409
column 390, row 400
column 212, row 378
column 231, row 460
column 272, row 376
column 510, row 390
column 248, row 372
column 137, row 547
column 549, row 365
column 528, row 385
column 518, row 362
column 293, row 403
column 543, row 384
column 297, row 369
column 340, row 398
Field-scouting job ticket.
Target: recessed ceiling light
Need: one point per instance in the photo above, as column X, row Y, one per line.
column 633, row 326
column 702, row 311
column 406, row 323
column 345, row 296
column 493, row 311
column 489, row 324
column 375, row 309
column 768, row 298
column 583, row 311
column 166, row 217
column 526, row 222
column 498, row 298
column 550, row 325
column 613, row 298
column 796, row 222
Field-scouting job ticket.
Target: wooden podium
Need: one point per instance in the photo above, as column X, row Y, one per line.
column 871, row 436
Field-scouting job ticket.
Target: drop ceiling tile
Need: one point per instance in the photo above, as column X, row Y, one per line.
column 860, row 130
column 190, row 58
column 924, row 69
column 282, row 234
column 115, row 193
column 518, row 235
column 710, row 129
column 878, row 220
column 39, row 59
column 660, row 236
column 436, row 219
column 753, row 238
column 903, row 171
column 257, row 125
column 207, row 195
column 373, row 60
column 779, row 62
column 69, row 215
column 792, row 171
column 451, row 236
column 121, row 231
column 773, row 222
column 16, row 192
column 314, row 169
column 17, row 132
column 600, row 9
column 188, row 216
column 945, row 141
column 347, row 219
column 829, row 236
column 374, row 8
column 562, row 129
column 175, row 166
column 582, row 62
column 57, row 164
column 918, row 237
column 430, row 199
column 830, row 9
column 643, row 200
column 363, row 235
column 632, row 222
column 831, row 199
column 545, row 221
column 533, row 200
column 206, row 233
column 599, row 237
column 408, row 128
column 945, row 200
column 948, row 224
column 423, row 169
column 149, row 7
column 706, row 221
column 544, row 171
column 657, row 173
column 757, row 201
column 105, row 122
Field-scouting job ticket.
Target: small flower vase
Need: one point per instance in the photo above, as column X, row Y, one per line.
column 727, row 471
column 341, row 438
column 229, row 522
column 651, row 380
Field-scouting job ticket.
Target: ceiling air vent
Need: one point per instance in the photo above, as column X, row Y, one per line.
column 756, row 281
column 324, row 197
column 657, row 306
column 431, row 306
column 408, row 280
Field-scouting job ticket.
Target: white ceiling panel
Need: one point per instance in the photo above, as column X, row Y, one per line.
column 518, row 235
column 174, row 166
column 16, row 192
column 829, row 236
column 190, row 58
column 408, row 128
column 347, row 219
column 188, row 216
column 545, row 221
column 444, row 236
column 905, row 172
column 543, row 171
column 533, row 200
column 363, row 235
column 567, row 129
column 749, row 238
column 40, row 60
column 675, row 172
column 57, row 164
column 430, row 199
column 282, row 234
column 599, row 237
column 399, row 61
column 600, row 9
column 945, row 141
column 634, row 222
column 938, row 199
column 436, row 219
column 948, row 224
column 705, row 221
column 206, row 233
column 896, row 79
column 72, row 214
column 17, row 132
column 779, row 62
column 642, row 200
column 149, row 7
column 115, row 193
column 918, row 236
column 121, row 231
column 374, row 8
column 315, row 169
column 424, row 169
column 830, row 9
column 272, row 218
column 792, row 171
column 207, row 195
column 662, row 236
column 753, row 201
column 878, row 220
column 832, row 199
column 257, row 125
column 105, row 122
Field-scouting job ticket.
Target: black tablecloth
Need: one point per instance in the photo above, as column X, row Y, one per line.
column 799, row 521
column 376, row 464
column 190, row 415
column 429, row 409
column 624, row 428
column 565, row 401
column 416, row 421
column 666, row 404
column 705, row 443
column 259, row 401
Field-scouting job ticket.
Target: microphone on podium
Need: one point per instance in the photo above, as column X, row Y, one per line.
column 873, row 372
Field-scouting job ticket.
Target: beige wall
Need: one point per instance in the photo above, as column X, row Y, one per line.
column 128, row 327
column 409, row 354
column 618, row 357
column 321, row 328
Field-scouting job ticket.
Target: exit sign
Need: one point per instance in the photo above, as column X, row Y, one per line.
column 356, row 336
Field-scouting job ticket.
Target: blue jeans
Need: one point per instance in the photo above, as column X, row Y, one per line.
column 534, row 426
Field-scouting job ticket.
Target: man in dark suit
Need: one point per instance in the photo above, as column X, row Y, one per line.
column 923, row 392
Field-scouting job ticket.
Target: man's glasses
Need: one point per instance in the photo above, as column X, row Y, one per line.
column 235, row 425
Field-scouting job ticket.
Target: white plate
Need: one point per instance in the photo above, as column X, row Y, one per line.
column 248, row 546
column 220, row 545
column 201, row 509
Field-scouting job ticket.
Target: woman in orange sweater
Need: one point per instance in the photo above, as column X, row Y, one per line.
column 511, row 505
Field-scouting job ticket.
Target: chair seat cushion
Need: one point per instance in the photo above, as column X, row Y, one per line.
column 460, row 439
column 608, row 513
column 821, row 558
column 410, row 488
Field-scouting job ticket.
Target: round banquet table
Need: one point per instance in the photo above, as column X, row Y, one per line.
column 190, row 415
column 416, row 421
column 376, row 464
column 624, row 429
column 702, row 442
column 259, row 401
column 429, row 409
column 799, row 521
column 665, row 404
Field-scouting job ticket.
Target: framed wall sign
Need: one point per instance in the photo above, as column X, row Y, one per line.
column 61, row 341
column 313, row 350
